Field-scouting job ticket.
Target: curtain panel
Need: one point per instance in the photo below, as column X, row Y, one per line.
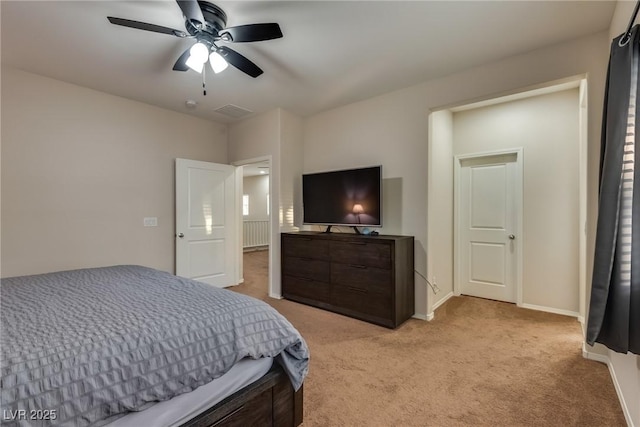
column 614, row 313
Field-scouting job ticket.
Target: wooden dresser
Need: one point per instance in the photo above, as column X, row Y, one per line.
column 365, row 277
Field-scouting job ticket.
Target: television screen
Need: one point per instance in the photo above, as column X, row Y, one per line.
column 346, row 197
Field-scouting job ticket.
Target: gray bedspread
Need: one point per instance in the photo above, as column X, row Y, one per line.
column 95, row 343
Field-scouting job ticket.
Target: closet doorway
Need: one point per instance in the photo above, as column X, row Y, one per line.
column 548, row 123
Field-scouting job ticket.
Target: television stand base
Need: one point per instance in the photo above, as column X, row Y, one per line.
column 328, row 230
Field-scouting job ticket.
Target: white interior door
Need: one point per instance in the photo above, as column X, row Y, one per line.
column 487, row 226
column 206, row 246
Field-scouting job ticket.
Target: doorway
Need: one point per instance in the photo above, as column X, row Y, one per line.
column 487, row 225
column 549, row 122
column 255, row 220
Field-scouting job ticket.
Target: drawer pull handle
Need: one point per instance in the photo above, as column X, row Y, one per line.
column 357, row 243
column 353, row 288
column 363, row 267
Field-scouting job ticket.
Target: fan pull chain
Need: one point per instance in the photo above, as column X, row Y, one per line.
column 204, row 85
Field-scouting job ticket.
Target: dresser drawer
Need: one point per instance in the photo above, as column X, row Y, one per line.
column 307, row 268
column 305, row 247
column 362, row 301
column 366, row 277
column 362, row 253
column 375, row 280
column 306, row 288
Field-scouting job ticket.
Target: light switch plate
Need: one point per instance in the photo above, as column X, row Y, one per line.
column 151, row 221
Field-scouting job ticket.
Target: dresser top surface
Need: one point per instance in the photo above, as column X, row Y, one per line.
column 345, row 236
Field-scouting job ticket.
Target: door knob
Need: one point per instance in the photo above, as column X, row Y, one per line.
column 511, row 236
column 181, row 235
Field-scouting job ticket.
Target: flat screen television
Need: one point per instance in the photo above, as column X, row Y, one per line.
column 350, row 197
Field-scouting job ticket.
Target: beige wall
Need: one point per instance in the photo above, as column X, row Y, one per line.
column 257, row 188
column 389, row 130
column 546, row 127
column 440, row 206
column 290, row 171
column 255, row 137
column 259, row 137
column 275, row 134
column 80, row 171
column 392, row 130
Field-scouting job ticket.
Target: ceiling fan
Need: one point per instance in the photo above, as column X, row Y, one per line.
column 206, row 23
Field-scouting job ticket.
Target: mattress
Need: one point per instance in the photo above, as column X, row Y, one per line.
column 90, row 345
column 181, row 408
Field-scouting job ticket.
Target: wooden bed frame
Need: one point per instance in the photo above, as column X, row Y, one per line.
column 270, row 401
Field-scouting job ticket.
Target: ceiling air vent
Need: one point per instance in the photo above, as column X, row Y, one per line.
column 233, row 111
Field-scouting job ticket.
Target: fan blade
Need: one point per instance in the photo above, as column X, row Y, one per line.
column 145, row 26
column 191, row 11
column 252, row 32
column 181, row 63
column 239, row 61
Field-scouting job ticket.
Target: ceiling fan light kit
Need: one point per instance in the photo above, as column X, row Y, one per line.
column 217, row 62
column 206, row 23
column 198, row 55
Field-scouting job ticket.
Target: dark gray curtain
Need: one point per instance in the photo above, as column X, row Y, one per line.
column 614, row 313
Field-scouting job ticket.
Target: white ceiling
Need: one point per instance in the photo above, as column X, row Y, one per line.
column 332, row 52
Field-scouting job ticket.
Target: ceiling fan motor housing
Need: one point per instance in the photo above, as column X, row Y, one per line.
column 215, row 17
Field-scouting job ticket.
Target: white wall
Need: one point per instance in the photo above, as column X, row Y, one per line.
column 80, row 171
column 392, row 130
column 546, row 127
column 257, row 188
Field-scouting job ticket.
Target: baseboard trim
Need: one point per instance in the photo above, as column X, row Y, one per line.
column 420, row 316
column 551, row 310
column 429, row 317
column 275, row 296
column 616, row 384
column 442, row 301
column 603, row 358
column 597, row 357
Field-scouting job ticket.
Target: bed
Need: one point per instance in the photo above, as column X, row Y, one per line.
column 130, row 345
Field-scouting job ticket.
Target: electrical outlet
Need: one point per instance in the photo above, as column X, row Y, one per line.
column 151, row 221
column 436, row 289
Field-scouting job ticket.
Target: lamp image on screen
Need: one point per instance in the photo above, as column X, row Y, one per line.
column 357, row 210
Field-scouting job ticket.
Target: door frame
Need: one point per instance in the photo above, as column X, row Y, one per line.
column 272, row 215
column 519, row 202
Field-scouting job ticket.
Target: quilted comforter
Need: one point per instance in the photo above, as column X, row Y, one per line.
column 83, row 346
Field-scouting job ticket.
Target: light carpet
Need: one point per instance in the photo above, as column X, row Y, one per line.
column 479, row 363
